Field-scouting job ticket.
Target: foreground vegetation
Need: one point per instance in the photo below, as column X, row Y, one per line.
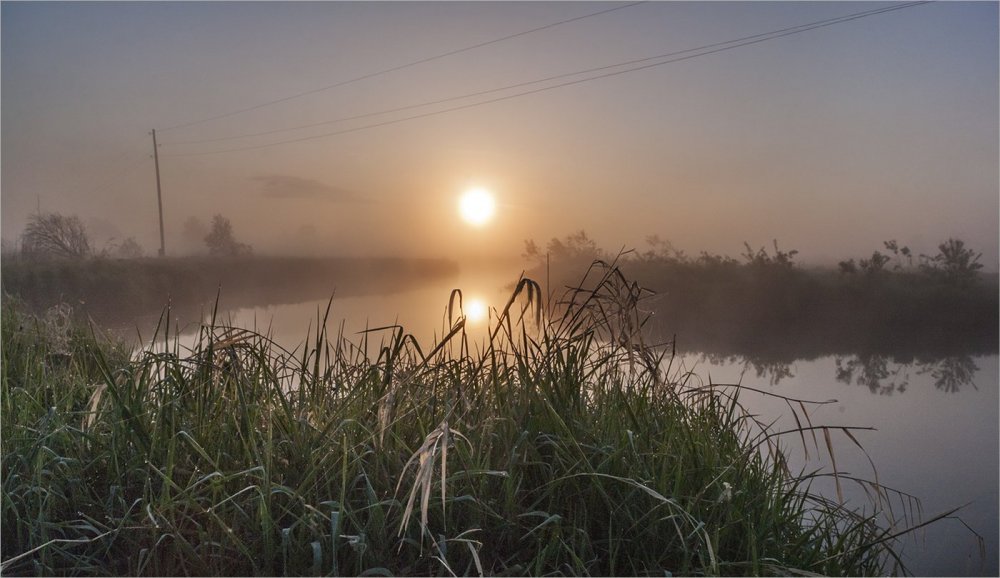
column 557, row 446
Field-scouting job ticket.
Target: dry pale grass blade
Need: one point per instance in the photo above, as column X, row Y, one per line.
column 444, row 461
column 10, row 561
column 714, row 567
column 475, row 558
column 798, row 423
column 809, row 420
column 833, row 461
column 444, row 563
column 434, row 444
column 472, row 545
column 231, row 337
column 385, row 407
column 456, row 295
column 876, row 485
column 889, row 537
column 95, row 402
column 387, row 401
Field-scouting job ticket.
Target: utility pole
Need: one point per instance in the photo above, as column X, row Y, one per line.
column 159, row 196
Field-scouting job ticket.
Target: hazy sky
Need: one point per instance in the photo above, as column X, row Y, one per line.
column 831, row 140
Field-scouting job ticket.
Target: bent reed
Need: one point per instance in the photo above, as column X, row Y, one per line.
column 561, row 444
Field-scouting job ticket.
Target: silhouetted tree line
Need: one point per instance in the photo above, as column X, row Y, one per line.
column 891, row 302
column 954, row 262
column 54, row 236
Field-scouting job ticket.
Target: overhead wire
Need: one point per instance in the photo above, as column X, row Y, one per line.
column 400, row 67
column 701, row 51
column 745, row 39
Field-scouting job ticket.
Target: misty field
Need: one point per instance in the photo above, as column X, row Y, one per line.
column 562, row 444
column 763, row 303
column 118, row 291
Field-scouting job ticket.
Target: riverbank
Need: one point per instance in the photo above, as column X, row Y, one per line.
column 776, row 312
column 119, row 291
column 557, row 447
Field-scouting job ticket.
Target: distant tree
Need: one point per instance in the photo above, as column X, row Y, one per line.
column 574, row 248
column 51, row 235
column 707, row 259
column 900, row 254
column 129, row 249
column 760, row 258
column 954, row 263
column 875, row 265
column 848, row 267
column 663, row 251
column 531, row 251
column 221, row 241
column 878, row 262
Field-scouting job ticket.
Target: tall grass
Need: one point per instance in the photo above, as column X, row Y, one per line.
column 560, row 444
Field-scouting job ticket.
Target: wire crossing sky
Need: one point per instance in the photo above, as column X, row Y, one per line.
column 691, row 53
column 829, row 126
column 742, row 42
column 401, row 67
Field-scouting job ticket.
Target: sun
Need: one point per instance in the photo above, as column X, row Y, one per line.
column 476, row 310
column 476, row 206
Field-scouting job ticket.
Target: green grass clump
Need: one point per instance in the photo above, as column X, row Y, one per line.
column 561, row 444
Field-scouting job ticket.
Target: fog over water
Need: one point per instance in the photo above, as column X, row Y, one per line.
column 831, row 140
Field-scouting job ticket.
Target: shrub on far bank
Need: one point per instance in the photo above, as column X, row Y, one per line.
column 954, row 263
column 53, row 236
column 222, row 242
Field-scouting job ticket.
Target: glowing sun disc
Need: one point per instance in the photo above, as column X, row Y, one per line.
column 475, row 311
column 476, row 206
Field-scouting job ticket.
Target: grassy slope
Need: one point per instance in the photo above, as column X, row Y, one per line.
column 544, row 451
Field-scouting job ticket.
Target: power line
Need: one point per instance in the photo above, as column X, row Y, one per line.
column 702, row 51
column 771, row 34
column 401, row 66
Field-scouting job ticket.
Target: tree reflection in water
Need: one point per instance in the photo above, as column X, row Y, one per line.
column 881, row 374
column 873, row 372
column 884, row 376
column 772, row 370
column 952, row 373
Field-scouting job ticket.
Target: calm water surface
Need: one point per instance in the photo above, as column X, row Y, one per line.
column 936, row 438
column 937, row 419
